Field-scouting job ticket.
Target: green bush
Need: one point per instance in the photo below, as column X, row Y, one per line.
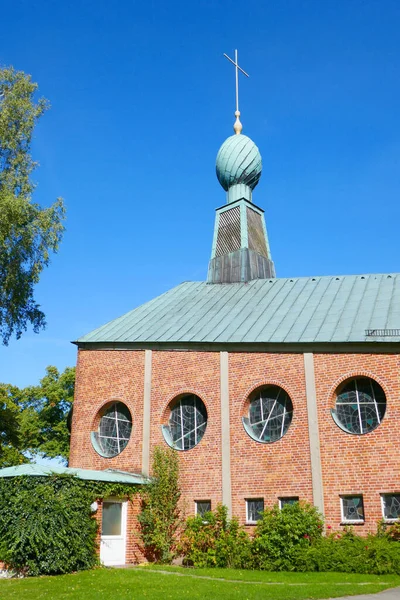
column 350, row 553
column 160, row 516
column 391, row 531
column 46, row 525
column 283, row 534
column 290, row 539
column 213, row 540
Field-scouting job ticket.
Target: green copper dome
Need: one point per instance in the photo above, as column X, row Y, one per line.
column 238, row 161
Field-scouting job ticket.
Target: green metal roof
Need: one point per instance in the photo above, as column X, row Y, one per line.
column 87, row 474
column 297, row 310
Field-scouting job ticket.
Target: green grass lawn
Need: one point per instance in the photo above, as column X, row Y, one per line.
column 175, row 583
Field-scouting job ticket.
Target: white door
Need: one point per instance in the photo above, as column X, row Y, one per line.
column 113, row 532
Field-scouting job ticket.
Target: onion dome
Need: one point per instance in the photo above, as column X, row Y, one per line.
column 238, row 162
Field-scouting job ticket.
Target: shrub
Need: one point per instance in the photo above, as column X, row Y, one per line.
column 46, row 526
column 351, row 553
column 213, row 540
column 282, row 534
column 391, row 531
column 160, row 516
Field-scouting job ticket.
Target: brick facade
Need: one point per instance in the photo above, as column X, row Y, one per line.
column 366, row 464
column 351, row 464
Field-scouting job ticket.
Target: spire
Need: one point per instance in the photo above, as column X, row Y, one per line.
column 240, row 251
column 237, row 126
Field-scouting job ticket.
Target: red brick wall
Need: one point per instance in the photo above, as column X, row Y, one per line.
column 281, row 468
column 103, row 376
column 195, row 372
column 351, row 464
column 366, row 464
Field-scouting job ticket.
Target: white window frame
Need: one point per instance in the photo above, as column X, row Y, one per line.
column 296, row 498
column 383, row 508
column 248, row 521
column 351, row 521
column 196, row 502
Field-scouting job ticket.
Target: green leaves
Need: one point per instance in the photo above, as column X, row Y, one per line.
column 28, row 233
column 34, row 420
column 213, row 540
column 46, row 526
column 10, row 418
column 281, row 532
column 160, row 516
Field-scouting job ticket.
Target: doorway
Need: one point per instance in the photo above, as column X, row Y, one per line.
column 113, row 532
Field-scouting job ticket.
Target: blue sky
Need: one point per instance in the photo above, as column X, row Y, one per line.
column 141, row 100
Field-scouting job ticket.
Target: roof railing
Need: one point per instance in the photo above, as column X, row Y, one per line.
column 382, row 332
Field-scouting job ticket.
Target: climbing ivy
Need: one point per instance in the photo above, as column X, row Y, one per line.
column 46, row 523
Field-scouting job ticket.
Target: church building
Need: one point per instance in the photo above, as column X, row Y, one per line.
column 271, row 390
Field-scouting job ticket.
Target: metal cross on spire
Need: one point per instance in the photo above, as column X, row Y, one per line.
column 237, row 126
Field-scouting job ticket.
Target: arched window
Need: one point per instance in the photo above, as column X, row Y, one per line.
column 360, row 405
column 270, row 414
column 114, row 430
column 187, row 422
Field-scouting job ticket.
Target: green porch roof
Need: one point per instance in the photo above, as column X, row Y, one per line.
column 110, row 476
column 298, row 310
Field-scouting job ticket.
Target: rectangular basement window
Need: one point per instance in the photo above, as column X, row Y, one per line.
column 254, row 509
column 390, row 507
column 352, row 509
column 288, row 500
column 202, row 506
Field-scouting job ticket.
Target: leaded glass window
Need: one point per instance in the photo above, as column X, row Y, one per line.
column 270, row 414
column 187, row 422
column 360, row 405
column 352, row 508
column 254, row 510
column 289, row 500
column 391, row 506
column 202, row 507
column 115, row 428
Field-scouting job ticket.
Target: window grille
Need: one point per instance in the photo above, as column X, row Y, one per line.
column 202, row 507
column 256, row 235
column 254, row 510
column 229, row 236
column 270, row 414
column 114, row 430
column 391, row 506
column 288, row 501
column 360, row 406
column 187, row 422
column 352, row 509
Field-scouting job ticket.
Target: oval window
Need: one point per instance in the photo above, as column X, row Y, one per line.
column 270, row 414
column 187, row 423
column 114, row 430
column 360, row 405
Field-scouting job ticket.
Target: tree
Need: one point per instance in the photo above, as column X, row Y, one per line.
column 160, row 517
column 44, row 414
column 10, row 450
column 28, row 233
column 34, row 420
